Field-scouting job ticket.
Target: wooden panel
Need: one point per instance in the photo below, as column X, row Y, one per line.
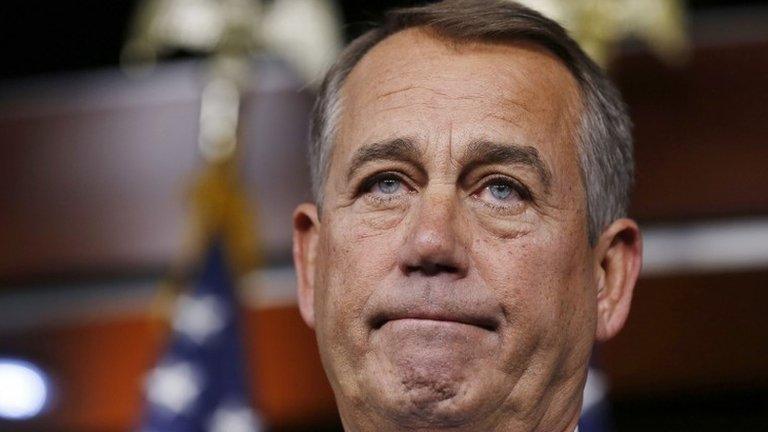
column 95, row 168
column 292, row 385
column 689, row 333
column 701, row 130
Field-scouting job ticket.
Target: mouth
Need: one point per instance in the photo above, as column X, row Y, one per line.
column 484, row 322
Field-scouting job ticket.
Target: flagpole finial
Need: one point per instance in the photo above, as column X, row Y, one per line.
column 599, row 26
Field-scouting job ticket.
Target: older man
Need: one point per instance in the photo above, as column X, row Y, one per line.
column 468, row 243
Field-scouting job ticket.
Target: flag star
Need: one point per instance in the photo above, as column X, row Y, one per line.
column 174, row 387
column 234, row 418
column 199, row 317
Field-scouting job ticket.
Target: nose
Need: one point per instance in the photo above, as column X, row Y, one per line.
column 435, row 244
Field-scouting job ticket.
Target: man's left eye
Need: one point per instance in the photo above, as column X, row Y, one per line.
column 388, row 186
column 501, row 191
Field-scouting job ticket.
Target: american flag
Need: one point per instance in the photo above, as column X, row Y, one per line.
column 200, row 381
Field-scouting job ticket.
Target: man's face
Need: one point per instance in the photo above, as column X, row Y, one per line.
column 452, row 281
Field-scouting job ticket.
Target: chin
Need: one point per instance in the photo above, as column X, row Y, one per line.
column 422, row 395
column 433, row 408
column 429, row 374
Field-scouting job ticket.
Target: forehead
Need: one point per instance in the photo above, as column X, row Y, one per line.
column 417, row 85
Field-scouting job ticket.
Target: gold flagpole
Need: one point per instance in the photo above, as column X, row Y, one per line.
column 306, row 33
column 225, row 32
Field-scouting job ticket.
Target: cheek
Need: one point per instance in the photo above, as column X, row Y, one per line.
column 542, row 284
column 506, row 227
column 356, row 255
column 354, row 259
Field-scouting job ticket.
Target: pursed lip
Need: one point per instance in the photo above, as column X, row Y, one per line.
column 488, row 323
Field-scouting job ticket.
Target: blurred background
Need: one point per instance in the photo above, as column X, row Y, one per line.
column 101, row 162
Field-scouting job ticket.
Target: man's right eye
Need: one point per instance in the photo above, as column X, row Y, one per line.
column 385, row 184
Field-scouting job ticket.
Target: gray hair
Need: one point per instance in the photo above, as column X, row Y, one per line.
column 604, row 135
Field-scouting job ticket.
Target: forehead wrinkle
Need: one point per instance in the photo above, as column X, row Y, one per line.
column 433, row 103
column 429, row 89
column 406, row 105
column 501, row 116
column 450, row 142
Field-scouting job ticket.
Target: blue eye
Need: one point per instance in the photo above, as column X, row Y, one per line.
column 384, row 186
column 388, row 186
column 501, row 191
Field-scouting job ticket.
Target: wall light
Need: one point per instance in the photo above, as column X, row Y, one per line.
column 24, row 389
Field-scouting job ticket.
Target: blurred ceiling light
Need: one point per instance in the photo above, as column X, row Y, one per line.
column 23, row 390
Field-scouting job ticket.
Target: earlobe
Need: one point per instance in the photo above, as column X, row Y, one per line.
column 619, row 252
column 305, row 243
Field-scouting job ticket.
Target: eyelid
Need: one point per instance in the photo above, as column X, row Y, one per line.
column 369, row 181
column 524, row 191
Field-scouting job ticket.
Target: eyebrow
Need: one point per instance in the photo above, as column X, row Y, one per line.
column 477, row 153
column 484, row 152
column 398, row 149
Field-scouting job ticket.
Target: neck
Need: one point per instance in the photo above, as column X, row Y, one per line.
column 376, row 423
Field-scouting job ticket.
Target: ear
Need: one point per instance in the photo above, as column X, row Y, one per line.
column 306, row 226
column 618, row 257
